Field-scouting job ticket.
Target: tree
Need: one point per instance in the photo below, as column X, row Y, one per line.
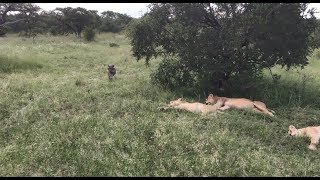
column 113, row 22
column 31, row 23
column 218, row 41
column 76, row 19
column 52, row 24
column 6, row 8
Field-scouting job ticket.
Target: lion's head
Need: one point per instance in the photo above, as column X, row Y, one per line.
column 211, row 99
column 176, row 102
column 292, row 130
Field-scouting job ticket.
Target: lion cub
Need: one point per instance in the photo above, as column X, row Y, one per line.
column 238, row 103
column 193, row 107
column 313, row 132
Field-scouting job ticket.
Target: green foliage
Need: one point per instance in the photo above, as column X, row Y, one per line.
column 113, row 22
column 20, row 8
column 113, row 45
column 171, row 75
column 144, row 33
column 25, row 19
column 89, row 34
column 317, row 54
column 76, row 19
column 316, row 35
column 223, row 40
column 3, row 31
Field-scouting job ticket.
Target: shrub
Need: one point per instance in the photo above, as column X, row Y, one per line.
column 113, row 45
column 171, row 74
column 3, row 31
column 89, row 34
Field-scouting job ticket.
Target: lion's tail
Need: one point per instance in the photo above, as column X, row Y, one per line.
column 263, row 109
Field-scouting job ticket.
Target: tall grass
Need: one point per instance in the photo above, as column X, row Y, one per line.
column 9, row 65
column 61, row 116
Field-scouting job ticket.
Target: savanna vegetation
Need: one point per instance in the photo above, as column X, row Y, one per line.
column 218, row 42
column 61, row 116
column 28, row 20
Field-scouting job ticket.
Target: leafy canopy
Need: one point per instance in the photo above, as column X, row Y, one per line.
column 76, row 19
column 223, row 40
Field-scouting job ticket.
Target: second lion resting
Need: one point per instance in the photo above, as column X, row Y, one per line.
column 238, row 103
column 195, row 107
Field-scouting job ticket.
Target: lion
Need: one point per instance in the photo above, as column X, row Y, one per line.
column 238, row 103
column 195, row 107
column 313, row 132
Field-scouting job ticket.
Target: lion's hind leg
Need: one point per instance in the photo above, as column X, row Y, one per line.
column 257, row 110
column 262, row 109
column 268, row 112
column 314, row 143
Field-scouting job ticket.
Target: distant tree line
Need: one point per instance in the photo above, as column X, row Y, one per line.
column 29, row 19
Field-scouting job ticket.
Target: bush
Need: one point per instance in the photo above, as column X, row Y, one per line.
column 3, row 31
column 171, row 75
column 89, row 34
column 113, row 45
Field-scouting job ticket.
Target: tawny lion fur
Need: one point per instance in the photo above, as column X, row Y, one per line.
column 195, row 107
column 313, row 132
column 238, row 103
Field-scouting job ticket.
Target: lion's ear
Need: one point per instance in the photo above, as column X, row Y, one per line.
column 292, row 127
column 210, row 95
column 179, row 99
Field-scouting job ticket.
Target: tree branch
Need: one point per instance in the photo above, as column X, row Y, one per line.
column 211, row 21
column 4, row 14
column 12, row 22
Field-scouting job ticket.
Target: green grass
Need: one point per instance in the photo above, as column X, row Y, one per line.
column 9, row 65
column 61, row 116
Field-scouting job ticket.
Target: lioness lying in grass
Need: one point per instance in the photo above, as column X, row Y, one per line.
column 238, row 103
column 313, row 132
column 195, row 107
